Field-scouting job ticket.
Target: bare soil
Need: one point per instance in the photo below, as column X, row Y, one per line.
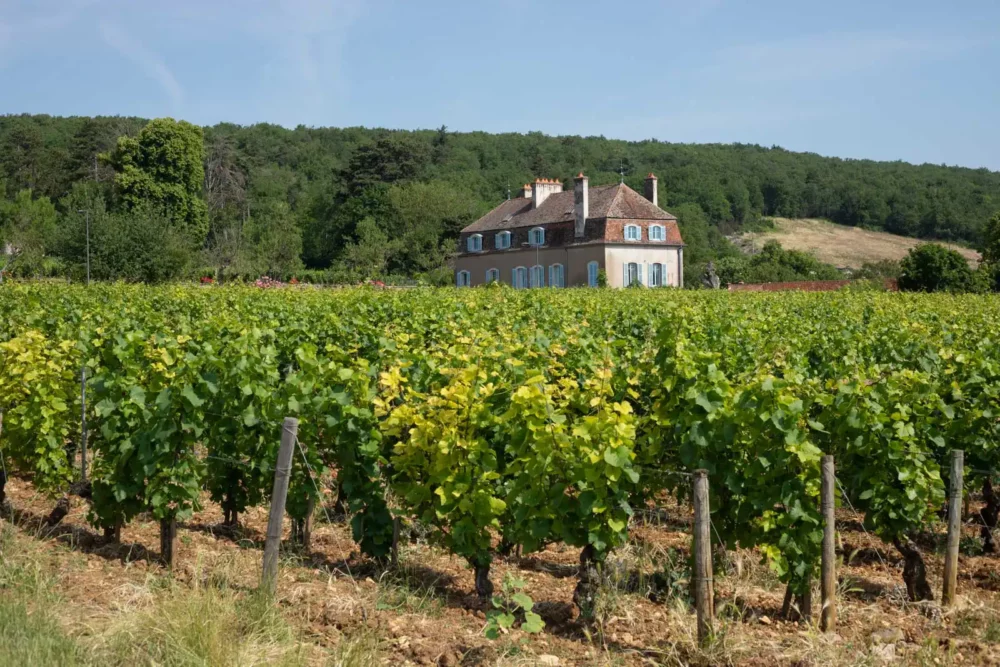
column 427, row 613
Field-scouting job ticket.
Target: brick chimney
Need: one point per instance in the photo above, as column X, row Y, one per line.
column 650, row 189
column 526, row 192
column 542, row 188
column 581, row 203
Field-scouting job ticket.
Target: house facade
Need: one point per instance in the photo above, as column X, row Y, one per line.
column 548, row 237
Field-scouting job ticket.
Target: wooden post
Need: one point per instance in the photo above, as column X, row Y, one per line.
column 828, row 580
column 83, row 423
column 954, row 528
column 289, row 430
column 702, row 557
column 168, row 541
column 3, row 469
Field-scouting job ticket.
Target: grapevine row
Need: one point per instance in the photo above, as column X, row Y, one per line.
column 501, row 418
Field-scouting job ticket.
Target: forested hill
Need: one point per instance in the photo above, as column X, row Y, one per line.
column 402, row 196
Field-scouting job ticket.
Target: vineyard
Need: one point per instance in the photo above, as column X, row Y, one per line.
column 496, row 422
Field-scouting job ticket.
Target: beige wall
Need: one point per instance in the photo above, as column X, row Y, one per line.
column 580, row 256
column 573, row 258
column 619, row 255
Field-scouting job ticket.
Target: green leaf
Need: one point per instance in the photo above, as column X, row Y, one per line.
column 192, row 398
column 523, row 601
column 249, row 417
column 533, row 623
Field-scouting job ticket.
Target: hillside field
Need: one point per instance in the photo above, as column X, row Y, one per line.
column 494, row 476
column 840, row 245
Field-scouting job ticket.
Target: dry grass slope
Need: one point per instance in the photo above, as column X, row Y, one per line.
column 839, row 245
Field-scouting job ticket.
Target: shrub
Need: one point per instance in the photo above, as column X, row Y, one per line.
column 930, row 267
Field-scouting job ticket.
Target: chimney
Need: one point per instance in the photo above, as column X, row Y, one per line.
column 526, row 192
column 542, row 188
column 581, row 203
column 650, row 190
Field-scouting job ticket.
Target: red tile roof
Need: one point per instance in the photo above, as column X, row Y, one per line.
column 608, row 201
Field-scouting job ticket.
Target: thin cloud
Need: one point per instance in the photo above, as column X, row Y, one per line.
column 827, row 56
column 306, row 40
column 150, row 63
column 25, row 24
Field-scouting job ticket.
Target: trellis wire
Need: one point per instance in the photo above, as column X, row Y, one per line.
column 861, row 521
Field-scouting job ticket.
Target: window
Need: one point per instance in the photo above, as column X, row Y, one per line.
column 633, row 233
column 593, row 269
column 656, row 273
column 536, row 236
column 492, row 276
column 463, row 279
column 519, row 277
column 633, row 274
column 475, row 243
column 503, row 240
column 538, row 276
column 556, row 276
column 657, row 233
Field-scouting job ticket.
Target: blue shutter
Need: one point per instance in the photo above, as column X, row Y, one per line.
column 639, row 267
column 625, row 274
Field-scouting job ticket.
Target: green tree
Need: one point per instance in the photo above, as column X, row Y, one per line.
column 274, row 238
column 135, row 246
column 22, row 155
column 391, row 158
column 426, row 219
column 991, row 240
column 27, row 232
column 931, row 267
column 366, row 257
column 163, row 167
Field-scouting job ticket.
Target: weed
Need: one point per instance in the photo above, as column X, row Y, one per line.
column 361, row 650
column 978, row 622
column 32, row 636
column 511, row 604
column 29, row 632
column 400, row 592
column 204, row 626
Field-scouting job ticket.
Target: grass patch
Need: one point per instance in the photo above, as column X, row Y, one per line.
column 169, row 624
column 402, row 591
column 982, row 623
column 204, row 626
column 32, row 636
column 360, row 650
column 29, row 632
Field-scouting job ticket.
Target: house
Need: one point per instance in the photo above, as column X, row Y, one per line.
column 550, row 238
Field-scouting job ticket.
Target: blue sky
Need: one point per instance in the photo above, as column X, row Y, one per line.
column 914, row 80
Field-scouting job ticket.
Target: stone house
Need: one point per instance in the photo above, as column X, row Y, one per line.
column 550, row 238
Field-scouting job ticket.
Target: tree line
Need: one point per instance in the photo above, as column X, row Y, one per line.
column 165, row 199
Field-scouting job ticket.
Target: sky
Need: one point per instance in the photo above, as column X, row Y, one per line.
column 909, row 80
